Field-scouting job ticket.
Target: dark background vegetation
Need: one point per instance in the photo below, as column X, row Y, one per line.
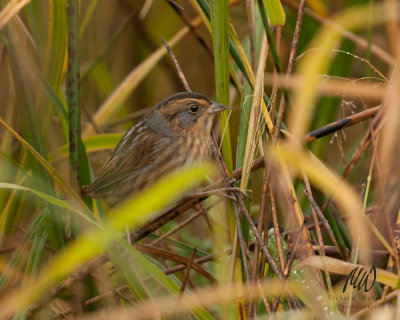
column 40, row 224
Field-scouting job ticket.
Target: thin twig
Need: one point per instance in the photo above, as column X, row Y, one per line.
column 292, row 59
column 186, row 274
column 324, row 222
column 276, row 230
column 177, row 66
column 264, row 299
column 234, row 254
column 375, row 127
column 183, row 223
column 308, row 193
column 161, row 253
column 153, row 225
column 183, row 266
column 89, row 117
column 65, row 284
column 242, row 243
column 204, row 213
column 172, row 270
column 185, row 205
column 379, row 52
column 116, row 291
column 292, row 256
column 179, row 10
column 340, row 124
column 260, row 240
column 372, row 306
column 239, row 231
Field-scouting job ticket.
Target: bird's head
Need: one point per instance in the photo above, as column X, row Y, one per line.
column 184, row 113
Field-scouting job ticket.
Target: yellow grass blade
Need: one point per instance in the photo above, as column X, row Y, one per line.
column 92, row 143
column 47, row 166
column 134, row 212
column 254, row 123
column 342, row 267
column 121, row 93
column 275, row 12
column 312, row 65
column 11, row 10
column 342, row 193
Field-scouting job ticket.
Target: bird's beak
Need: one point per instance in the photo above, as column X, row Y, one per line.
column 217, row 107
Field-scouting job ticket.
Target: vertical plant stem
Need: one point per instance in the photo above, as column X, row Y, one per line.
column 252, row 32
column 292, row 58
column 220, row 31
column 284, row 99
column 276, row 229
column 270, row 36
column 73, row 89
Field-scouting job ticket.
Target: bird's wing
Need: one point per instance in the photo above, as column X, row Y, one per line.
column 133, row 153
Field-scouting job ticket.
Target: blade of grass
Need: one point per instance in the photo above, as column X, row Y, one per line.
column 92, row 143
column 220, row 36
column 37, row 25
column 50, row 199
column 86, row 18
column 56, row 177
column 342, row 192
column 220, row 28
column 11, row 10
column 318, row 63
column 168, row 189
column 341, row 267
column 124, row 266
column 253, row 127
column 238, row 54
column 56, row 48
column 217, row 296
column 275, row 12
column 155, row 272
column 24, row 75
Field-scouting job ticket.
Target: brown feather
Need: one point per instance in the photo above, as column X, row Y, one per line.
column 168, row 137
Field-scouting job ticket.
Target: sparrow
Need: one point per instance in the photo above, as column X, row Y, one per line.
column 174, row 133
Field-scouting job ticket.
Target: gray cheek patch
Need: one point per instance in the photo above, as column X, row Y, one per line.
column 158, row 124
column 188, row 119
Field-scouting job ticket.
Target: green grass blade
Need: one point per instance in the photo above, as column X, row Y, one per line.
column 92, row 143
column 56, row 50
column 220, row 29
column 87, row 17
column 128, row 271
column 160, row 277
column 50, row 199
column 11, row 10
column 275, row 12
column 168, row 189
column 45, row 164
column 24, row 75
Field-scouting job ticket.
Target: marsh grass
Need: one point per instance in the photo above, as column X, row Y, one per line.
column 74, row 79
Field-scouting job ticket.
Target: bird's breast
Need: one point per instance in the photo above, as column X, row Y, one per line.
column 197, row 148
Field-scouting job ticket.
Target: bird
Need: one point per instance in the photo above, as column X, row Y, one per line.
column 174, row 133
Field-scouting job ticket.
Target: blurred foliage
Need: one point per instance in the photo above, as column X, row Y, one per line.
column 49, row 236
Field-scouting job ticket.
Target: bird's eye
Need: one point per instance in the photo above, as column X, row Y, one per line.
column 193, row 108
